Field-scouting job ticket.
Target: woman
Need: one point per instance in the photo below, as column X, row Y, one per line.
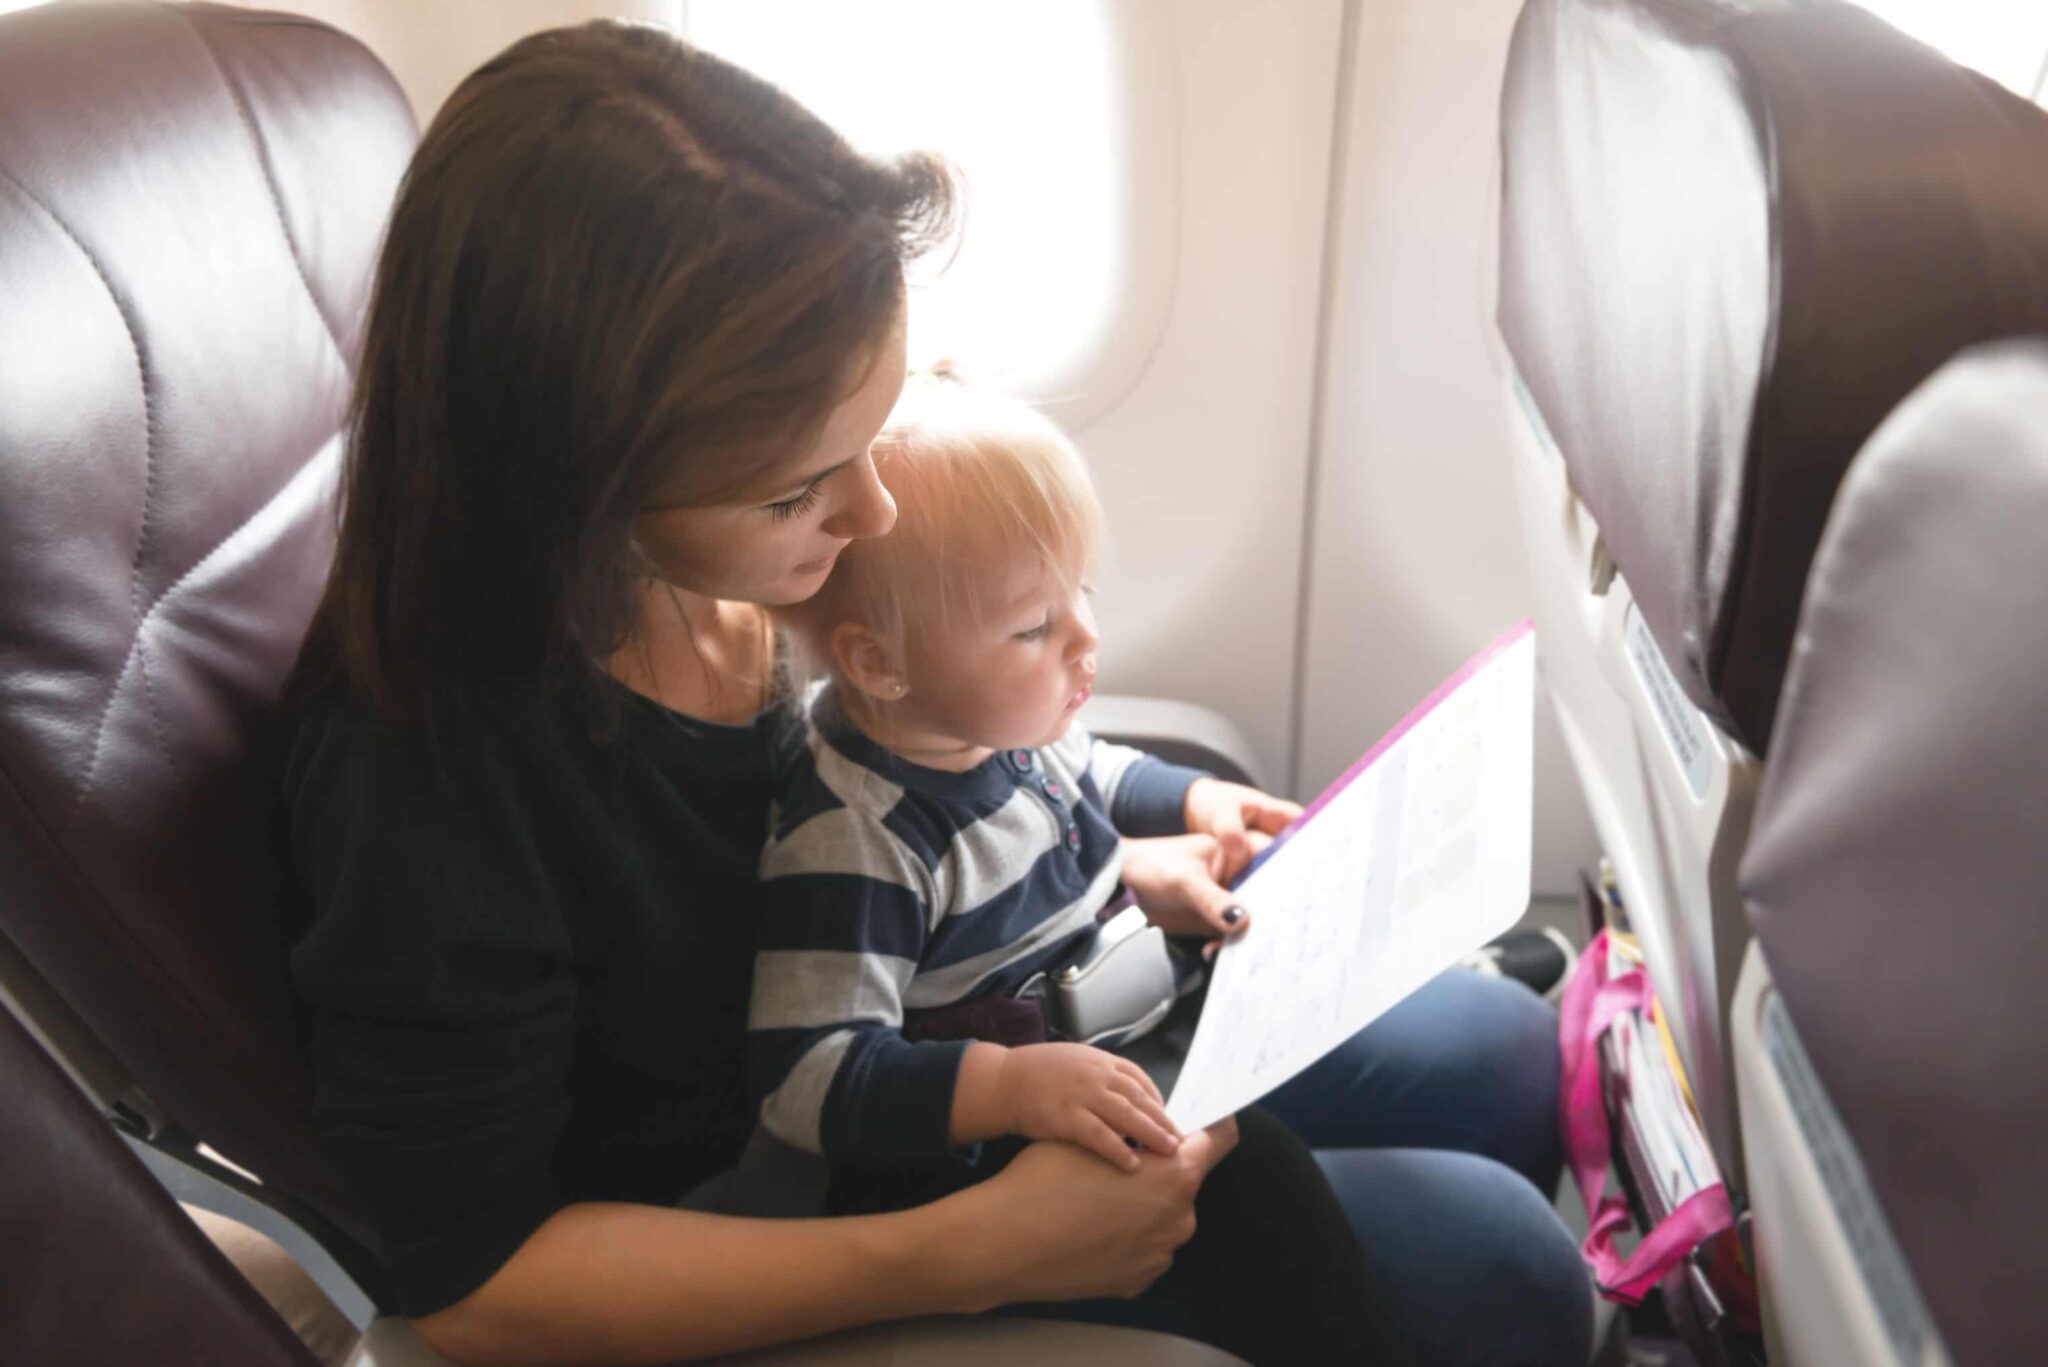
column 637, row 318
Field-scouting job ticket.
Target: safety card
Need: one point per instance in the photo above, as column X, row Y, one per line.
column 1417, row 855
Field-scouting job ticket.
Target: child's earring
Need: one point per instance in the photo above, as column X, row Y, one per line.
column 897, row 688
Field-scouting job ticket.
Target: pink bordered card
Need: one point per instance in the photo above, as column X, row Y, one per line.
column 1416, row 855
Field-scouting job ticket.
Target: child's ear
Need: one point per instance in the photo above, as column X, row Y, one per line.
column 866, row 663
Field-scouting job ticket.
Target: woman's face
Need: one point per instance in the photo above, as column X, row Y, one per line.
column 776, row 545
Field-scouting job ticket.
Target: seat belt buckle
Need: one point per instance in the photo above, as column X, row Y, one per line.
column 1116, row 986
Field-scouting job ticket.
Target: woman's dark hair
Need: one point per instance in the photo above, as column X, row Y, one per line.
column 615, row 263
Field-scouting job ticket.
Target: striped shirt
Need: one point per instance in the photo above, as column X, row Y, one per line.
column 890, row 887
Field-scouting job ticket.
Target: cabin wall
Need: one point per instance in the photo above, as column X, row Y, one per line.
column 1204, row 465
column 1415, row 549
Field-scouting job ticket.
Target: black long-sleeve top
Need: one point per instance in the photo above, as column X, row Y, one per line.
column 523, row 957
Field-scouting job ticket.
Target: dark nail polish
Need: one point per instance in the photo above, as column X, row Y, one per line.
column 1232, row 915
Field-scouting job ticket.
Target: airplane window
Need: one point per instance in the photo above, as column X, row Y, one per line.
column 2007, row 40
column 1025, row 99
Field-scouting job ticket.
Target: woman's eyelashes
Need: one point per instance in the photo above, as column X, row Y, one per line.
column 799, row 504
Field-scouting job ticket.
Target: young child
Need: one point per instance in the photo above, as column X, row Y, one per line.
column 951, row 835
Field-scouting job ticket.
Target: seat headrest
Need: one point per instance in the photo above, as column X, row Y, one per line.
column 1897, row 871
column 191, row 199
column 1733, row 237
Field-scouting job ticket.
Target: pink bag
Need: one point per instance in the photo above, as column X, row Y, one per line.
column 1592, row 1001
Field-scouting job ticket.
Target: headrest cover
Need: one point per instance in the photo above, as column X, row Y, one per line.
column 1897, row 873
column 1733, row 237
column 191, row 199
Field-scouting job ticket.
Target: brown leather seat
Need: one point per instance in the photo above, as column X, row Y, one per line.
column 190, row 204
column 99, row 1265
column 1733, row 237
column 1897, row 871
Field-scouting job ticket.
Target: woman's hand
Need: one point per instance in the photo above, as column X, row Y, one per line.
column 1235, row 814
column 1064, row 1226
column 1179, row 882
column 1086, row 1096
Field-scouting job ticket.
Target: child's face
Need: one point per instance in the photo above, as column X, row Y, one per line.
column 1013, row 676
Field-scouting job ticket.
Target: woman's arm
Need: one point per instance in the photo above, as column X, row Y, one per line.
column 1181, row 881
column 609, row 1283
column 613, row 1283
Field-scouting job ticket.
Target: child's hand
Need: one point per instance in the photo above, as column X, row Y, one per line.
column 1236, row 816
column 1086, row 1096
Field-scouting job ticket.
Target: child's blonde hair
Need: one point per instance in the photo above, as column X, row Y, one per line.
column 982, row 483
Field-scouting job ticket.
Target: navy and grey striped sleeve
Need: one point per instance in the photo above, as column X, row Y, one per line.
column 1145, row 795
column 846, row 912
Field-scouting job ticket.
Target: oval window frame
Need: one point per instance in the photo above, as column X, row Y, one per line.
column 1094, row 376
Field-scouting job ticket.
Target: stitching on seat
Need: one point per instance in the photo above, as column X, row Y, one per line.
column 148, row 481
column 135, row 646
column 156, row 719
column 136, row 650
column 99, row 730
column 284, row 227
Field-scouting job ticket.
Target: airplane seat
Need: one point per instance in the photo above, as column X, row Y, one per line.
column 1890, row 1030
column 100, row 1265
column 1732, row 237
column 191, row 201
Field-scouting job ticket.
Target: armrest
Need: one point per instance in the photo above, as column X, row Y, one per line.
column 392, row 1343
column 943, row 1342
column 988, row 1342
column 1181, row 732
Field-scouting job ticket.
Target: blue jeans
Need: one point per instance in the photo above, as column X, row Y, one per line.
column 1437, row 1126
